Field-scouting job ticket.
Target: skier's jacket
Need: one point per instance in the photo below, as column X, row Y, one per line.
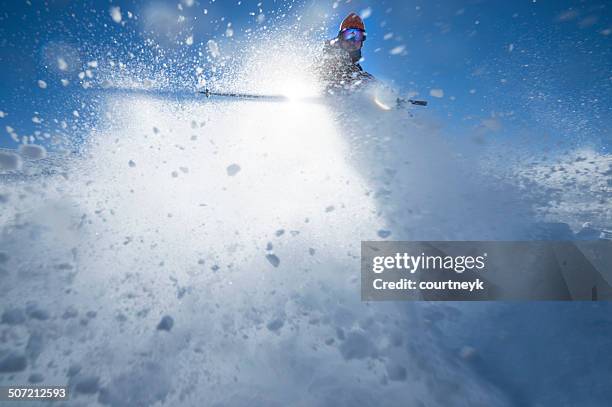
column 339, row 70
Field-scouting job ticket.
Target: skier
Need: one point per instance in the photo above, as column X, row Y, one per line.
column 339, row 69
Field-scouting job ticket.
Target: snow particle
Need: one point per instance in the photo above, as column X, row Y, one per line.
column 36, row 378
column 9, row 161
column 42, row 84
column 437, row 93
column 166, row 323
column 35, row 312
column 189, row 40
column 87, row 385
column 400, row 49
column 131, row 163
column 12, row 363
column 33, row 151
column 275, row 324
column 383, row 234
column 356, row 346
column 62, row 64
column 14, row 316
column 233, row 169
column 70, row 312
column 73, row 370
column 396, row 372
column 366, row 12
column 115, row 13
column 273, row 259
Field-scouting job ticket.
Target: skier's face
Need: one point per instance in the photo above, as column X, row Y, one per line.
column 351, row 45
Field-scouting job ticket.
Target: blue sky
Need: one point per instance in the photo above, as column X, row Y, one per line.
column 538, row 69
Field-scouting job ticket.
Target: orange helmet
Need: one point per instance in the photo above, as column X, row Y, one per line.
column 352, row 21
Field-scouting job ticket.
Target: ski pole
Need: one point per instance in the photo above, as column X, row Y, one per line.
column 208, row 93
column 401, row 101
column 418, row 102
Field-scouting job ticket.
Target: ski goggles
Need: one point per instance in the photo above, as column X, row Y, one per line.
column 353, row 34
